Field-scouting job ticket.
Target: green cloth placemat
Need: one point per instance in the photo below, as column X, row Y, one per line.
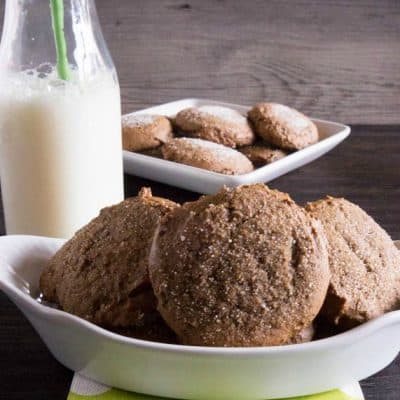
column 83, row 388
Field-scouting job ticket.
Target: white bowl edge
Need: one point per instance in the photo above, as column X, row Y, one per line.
column 42, row 317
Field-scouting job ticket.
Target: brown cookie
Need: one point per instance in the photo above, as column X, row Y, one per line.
column 215, row 123
column 156, row 152
column 207, row 155
column 283, row 126
column 101, row 274
column 153, row 328
column 245, row 267
column 145, row 131
column 261, row 154
column 304, row 336
column 364, row 263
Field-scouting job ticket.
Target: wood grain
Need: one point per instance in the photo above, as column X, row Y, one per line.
column 363, row 169
column 337, row 60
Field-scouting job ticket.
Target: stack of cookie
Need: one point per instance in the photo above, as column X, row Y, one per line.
column 221, row 139
column 244, row 267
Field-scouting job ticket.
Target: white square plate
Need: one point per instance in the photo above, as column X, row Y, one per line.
column 203, row 181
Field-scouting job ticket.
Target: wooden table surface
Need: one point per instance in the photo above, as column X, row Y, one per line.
column 332, row 59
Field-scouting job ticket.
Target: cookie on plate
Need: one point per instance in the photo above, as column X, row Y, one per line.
column 364, row 263
column 283, row 126
column 145, row 131
column 215, row 123
column 101, row 274
column 207, row 155
column 261, row 154
column 244, row 267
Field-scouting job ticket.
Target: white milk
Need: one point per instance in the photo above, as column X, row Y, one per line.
column 60, row 152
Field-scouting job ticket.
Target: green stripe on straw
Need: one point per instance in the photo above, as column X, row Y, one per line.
column 57, row 18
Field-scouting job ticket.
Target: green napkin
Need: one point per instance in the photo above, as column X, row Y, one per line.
column 83, row 388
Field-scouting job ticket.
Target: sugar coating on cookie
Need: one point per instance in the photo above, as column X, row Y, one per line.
column 138, row 119
column 364, row 263
column 142, row 132
column 262, row 154
column 101, row 274
column 245, row 267
column 283, row 126
column 206, row 155
column 215, row 123
column 224, row 113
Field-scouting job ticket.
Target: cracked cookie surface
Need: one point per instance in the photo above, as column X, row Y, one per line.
column 364, row 263
column 245, row 267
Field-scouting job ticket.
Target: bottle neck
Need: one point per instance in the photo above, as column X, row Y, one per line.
column 28, row 39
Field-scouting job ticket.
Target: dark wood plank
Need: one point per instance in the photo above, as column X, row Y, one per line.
column 364, row 169
column 332, row 59
column 27, row 369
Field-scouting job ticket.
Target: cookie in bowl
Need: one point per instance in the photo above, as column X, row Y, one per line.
column 244, row 267
column 364, row 264
column 155, row 152
column 145, row 131
column 101, row 274
column 304, row 336
column 217, row 124
column 207, row 155
column 282, row 126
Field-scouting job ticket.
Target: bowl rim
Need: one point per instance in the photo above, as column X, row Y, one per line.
column 28, row 304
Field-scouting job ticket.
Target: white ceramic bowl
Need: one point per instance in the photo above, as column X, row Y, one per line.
column 203, row 181
column 186, row 371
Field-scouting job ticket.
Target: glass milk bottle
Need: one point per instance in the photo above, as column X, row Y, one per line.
column 60, row 130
